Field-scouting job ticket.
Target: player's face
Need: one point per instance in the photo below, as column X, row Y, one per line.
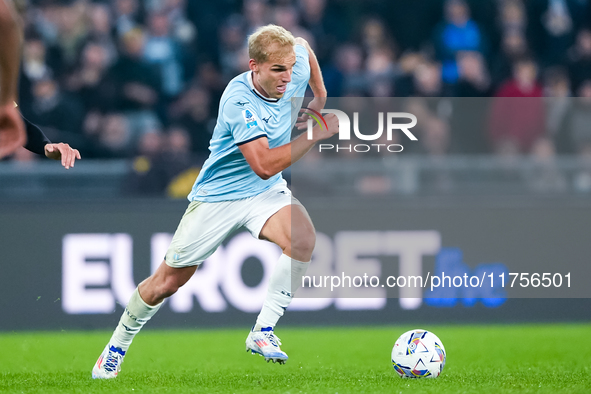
column 272, row 77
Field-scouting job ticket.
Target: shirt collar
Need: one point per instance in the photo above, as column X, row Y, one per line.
column 255, row 91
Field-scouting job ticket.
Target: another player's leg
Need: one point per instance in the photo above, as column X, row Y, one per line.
column 144, row 303
column 292, row 230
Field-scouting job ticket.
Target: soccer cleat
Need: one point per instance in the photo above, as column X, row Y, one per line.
column 109, row 363
column 266, row 343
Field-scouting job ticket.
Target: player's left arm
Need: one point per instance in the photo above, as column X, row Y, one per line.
column 38, row 143
column 316, row 82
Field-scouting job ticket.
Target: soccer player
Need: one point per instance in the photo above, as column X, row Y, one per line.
column 12, row 130
column 241, row 185
column 38, row 143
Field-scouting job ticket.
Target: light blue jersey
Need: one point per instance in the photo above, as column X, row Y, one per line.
column 245, row 115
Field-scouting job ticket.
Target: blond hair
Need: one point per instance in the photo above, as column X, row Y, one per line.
column 260, row 43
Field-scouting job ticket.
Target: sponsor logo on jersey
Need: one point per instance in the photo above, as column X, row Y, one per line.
column 249, row 118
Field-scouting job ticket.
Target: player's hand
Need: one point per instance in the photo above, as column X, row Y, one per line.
column 317, row 104
column 63, row 152
column 12, row 130
column 322, row 133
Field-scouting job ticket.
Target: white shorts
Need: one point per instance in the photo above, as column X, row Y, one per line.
column 205, row 225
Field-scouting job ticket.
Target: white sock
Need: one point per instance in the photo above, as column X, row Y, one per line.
column 286, row 279
column 136, row 314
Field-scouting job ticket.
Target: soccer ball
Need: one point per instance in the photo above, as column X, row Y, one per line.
column 418, row 354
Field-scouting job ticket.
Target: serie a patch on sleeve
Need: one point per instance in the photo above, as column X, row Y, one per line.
column 249, row 118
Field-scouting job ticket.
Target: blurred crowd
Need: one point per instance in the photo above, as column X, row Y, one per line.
column 131, row 78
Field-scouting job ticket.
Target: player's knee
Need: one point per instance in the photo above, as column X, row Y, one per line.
column 303, row 245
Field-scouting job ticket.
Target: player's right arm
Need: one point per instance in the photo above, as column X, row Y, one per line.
column 12, row 130
column 243, row 122
column 266, row 162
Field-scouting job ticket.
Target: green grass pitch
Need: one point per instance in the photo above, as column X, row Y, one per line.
column 480, row 359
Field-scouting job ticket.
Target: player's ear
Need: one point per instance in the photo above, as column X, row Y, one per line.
column 253, row 65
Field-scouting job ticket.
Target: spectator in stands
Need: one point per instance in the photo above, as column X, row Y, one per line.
column 192, row 112
column 402, row 19
column 469, row 116
column 346, row 77
column 101, row 28
column 457, row 33
column 374, row 36
column 127, row 16
column 474, row 80
column 408, row 63
column 580, row 59
column 232, row 42
column 210, row 78
column 135, row 84
column 381, row 72
column 427, row 80
column 34, row 66
column 328, row 26
column 552, row 27
column 162, row 159
column 574, row 134
column 524, row 82
column 72, row 34
column 517, row 117
column 578, row 135
column 181, row 28
column 114, row 138
column 433, row 128
column 288, row 17
column 256, row 13
column 52, row 108
column 513, row 47
column 34, row 62
column 557, row 82
column 147, row 177
column 163, row 52
column 435, row 140
column 558, row 99
column 87, row 82
column 512, row 17
column 180, row 164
